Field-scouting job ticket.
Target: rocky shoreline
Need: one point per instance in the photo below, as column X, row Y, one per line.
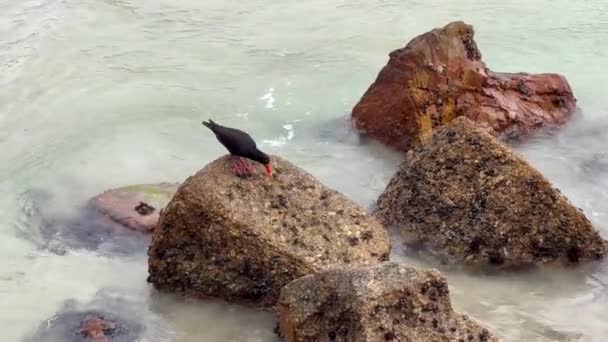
column 319, row 260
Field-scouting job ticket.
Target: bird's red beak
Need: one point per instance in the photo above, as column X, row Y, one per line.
column 268, row 169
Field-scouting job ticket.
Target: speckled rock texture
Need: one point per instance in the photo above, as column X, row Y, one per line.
column 468, row 195
column 439, row 75
column 383, row 302
column 137, row 206
column 242, row 239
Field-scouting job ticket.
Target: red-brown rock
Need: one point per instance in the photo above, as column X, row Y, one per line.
column 95, row 328
column 439, row 76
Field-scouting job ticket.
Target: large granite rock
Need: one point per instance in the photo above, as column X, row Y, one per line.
column 384, row 302
column 243, row 239
column 439, row 75
column 136, row 206
column 466, row 194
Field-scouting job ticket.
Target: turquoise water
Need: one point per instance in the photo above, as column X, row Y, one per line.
column 103, row 93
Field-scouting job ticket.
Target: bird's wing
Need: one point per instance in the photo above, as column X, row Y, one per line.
column 235, row 140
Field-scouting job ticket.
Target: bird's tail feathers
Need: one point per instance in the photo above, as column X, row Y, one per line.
column 210, row 124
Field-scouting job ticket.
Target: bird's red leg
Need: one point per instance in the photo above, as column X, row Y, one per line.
column 236, row 167
column 247, row 166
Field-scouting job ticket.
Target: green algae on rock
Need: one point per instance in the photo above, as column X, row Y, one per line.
column 242, row 239
column 383, row 302
column 468, row 195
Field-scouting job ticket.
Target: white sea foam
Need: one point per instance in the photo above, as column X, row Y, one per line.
column 268, row 98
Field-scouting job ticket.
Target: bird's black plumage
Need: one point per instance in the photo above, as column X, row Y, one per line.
column 238, row 143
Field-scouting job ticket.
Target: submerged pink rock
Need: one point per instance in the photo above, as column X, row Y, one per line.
column 137, row 206
column 94, row 329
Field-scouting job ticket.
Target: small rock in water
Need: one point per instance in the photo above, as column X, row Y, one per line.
column 100, row 224
column 135, row 206
column 97, row 328
column 109, row 317
column 84, row 228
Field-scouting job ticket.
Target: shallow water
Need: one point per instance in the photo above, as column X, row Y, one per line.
column 103, row 93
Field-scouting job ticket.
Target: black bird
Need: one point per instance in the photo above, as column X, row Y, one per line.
column 240, row 145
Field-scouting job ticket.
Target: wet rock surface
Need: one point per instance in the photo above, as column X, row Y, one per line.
column 136, row 206
column 242, row 239
column 469, row 196
column 118, row 221
column 97, row 327
column 107, row 318
column 84, row 228
column 87, row 326
column 384, row 302
column 439, row 75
